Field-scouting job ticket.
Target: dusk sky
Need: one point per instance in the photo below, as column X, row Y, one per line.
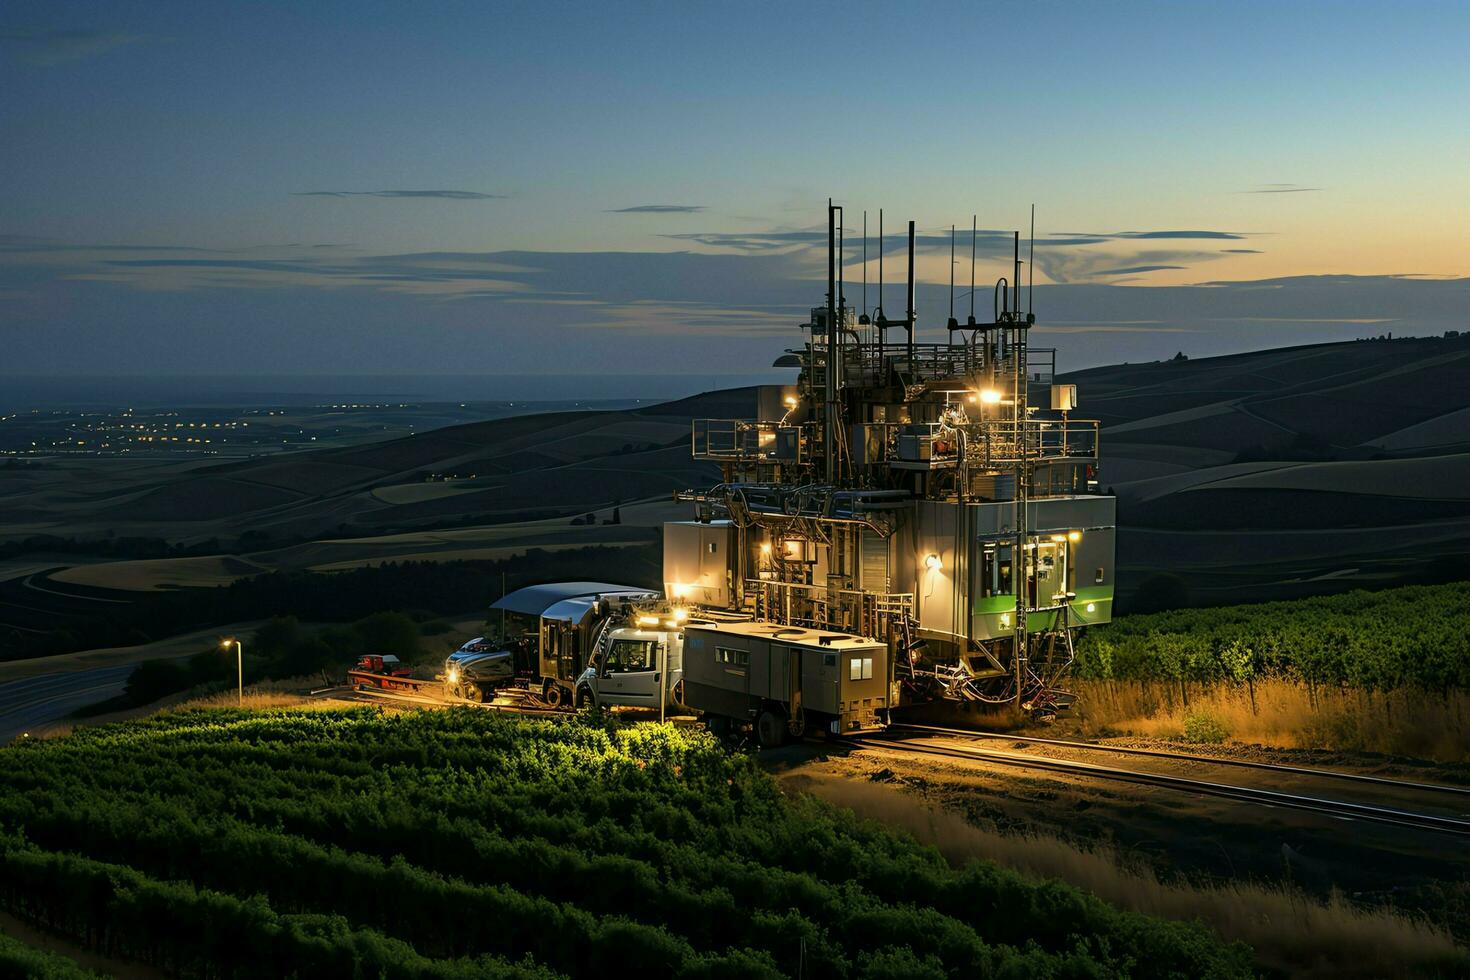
column 550, row 188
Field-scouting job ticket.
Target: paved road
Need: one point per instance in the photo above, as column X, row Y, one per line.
column 35, row 701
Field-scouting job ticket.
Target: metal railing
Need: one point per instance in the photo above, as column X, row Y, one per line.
column 745, row 441
column 863, row 364
column 871, row 614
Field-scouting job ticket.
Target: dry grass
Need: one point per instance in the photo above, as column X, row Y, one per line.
column 1289, row 931
column 1285, row 714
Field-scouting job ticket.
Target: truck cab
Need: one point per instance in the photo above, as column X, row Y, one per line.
column 633, row 667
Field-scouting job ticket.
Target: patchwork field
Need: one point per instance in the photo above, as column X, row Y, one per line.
column 1285, row 472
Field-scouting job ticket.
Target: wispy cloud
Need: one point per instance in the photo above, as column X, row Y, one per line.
column 1279, row 189
column 1242, row 251
column 58, row 47
column 1130, row 270
column 659, row 209
column 442, row 195
column 1135, row 235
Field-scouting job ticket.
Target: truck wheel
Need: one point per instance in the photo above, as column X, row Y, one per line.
column 584, row 699
column 556, row 696
column 472, row 692
column 770, row 729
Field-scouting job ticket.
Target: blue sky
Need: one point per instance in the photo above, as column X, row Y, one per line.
column 298, row 145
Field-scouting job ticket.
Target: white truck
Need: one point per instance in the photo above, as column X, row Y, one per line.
column 576, row 644
column 635, row 666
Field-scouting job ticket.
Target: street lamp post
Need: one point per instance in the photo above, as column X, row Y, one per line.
column 239, row 667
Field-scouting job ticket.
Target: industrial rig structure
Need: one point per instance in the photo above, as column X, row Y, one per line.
column 937, row 500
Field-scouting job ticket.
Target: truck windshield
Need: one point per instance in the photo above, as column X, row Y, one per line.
column 625, row 656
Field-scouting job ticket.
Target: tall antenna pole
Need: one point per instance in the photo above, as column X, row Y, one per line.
column 829, row 410
column 911, row 296
column 1031, row 267
column 1016, row 278
column 880, row 320
column 974, row 225
column 951, row 272
column 865, row 262
column 880, row 263
column 842, row 258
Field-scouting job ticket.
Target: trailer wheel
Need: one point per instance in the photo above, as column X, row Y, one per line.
column 770, row 729
column 556, row 696
column 472, row 692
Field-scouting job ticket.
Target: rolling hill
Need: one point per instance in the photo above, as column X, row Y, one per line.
column 1261, row 475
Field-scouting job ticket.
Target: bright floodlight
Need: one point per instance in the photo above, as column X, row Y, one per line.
column 931, row 562
column 990, row 396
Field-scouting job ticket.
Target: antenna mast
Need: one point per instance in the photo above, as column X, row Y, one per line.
column 1031, row 267
column 829, row 411
column 974, row 224
column 910, row 323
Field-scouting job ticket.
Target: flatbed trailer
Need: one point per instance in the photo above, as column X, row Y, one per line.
column 360, row 679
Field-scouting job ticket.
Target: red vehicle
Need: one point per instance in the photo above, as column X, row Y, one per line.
column 386, row 664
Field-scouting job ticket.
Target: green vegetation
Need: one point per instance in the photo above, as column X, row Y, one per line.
column 21, row 961
column 1410, row 637
column 230, row 843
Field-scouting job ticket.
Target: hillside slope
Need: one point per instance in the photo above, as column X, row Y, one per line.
column 1288, row 471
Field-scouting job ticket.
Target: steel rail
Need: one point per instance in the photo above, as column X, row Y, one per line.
column 1189, row 757
column 1261, row 797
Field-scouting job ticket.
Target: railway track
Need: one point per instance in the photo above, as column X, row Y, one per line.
column 1340, row 809
column 1309, row 771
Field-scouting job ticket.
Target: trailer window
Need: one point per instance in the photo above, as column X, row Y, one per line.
column 860, row 668
column 735, row 658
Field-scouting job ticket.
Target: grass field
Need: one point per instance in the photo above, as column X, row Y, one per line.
column 1385, row 671
column 230, row 843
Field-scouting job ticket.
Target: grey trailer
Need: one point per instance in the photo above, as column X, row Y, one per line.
column 785, row 680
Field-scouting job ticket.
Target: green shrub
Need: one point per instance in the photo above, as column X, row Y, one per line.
column 1201, row 726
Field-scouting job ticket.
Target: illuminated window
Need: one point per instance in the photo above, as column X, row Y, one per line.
column 734, row 658
column 860, row 668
